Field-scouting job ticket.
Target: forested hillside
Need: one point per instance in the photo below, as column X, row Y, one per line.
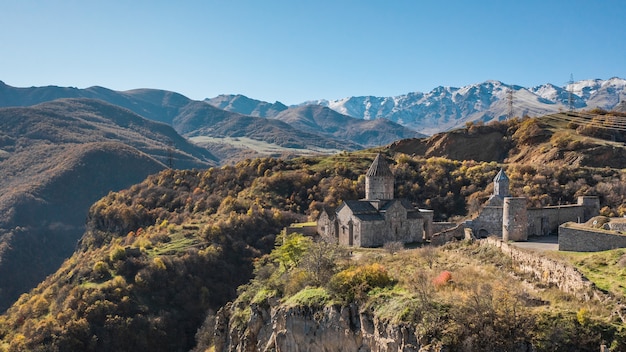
column 159, row 256
column 56, row 159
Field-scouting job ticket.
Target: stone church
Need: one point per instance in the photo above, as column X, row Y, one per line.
column 377, row 219
column 512, row 219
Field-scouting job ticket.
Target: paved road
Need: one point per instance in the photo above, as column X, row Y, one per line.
column 543, row 243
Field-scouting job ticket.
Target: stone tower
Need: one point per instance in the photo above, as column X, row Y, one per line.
column 514, row 219
column 501, row 185
column 379, row 180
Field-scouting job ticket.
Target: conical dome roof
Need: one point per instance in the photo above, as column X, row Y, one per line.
column 501, row 176
column 379, row 168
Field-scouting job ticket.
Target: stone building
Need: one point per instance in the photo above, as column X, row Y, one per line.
column 511, row 218
column 377, row 219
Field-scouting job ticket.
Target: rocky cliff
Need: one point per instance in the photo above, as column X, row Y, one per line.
column 273, row 326
column 311, row 329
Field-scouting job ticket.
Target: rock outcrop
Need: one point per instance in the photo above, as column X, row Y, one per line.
column 311, row 329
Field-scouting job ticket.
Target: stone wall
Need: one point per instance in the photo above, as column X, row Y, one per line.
column 546, row 221
column 619, row 225
column 540, row 221
column 487, row 223
column 442, row 226
column 549, row 271
column 307, row 230
column 449, row 234
column 574, row 237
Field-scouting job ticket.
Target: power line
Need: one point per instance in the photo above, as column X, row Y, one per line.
column 610, row 122
column 510, row 97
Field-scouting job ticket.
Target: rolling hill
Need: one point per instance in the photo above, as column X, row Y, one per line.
column 192, row 118
column 56, row 159
column 201, row 119
column 574, row 139
column 328, row 122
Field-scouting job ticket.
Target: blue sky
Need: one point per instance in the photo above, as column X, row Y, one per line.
column 296, row 50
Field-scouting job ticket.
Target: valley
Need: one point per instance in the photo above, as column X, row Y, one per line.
column 259, row 147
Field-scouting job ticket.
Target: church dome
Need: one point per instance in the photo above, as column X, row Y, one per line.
column 379, row 168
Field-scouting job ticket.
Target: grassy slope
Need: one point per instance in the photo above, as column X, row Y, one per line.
column 550, row 140
column 462, row 296
column 607, row 269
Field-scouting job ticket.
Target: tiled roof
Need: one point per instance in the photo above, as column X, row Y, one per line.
column 369, row 217
column 360, row 207
column 414, row 215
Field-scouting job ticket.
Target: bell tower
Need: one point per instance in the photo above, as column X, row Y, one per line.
column 379, row 180
column 501, row 185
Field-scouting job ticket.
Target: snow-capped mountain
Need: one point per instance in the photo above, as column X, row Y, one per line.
column 446, row 108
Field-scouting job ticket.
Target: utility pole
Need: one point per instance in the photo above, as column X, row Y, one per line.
column 570, row 98
column 170, row 154
column 510, row 102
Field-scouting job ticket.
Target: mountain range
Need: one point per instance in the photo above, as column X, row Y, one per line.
column 62, row 148
column 447, row 108
column 191, row 118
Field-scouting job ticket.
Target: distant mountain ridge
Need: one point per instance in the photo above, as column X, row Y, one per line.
column 226, row 116
column 442, row 109
column 244, row 105
column 319, row 119
column 447, row 108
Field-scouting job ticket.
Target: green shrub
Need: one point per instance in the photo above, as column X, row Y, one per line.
column 315, row 297
column 354, row 283
column 117, row 253
column 101, row 270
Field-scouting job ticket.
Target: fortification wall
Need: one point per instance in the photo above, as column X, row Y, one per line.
column 553, row 272
column 514, row 219
column 442, row 226
column 487, row 223
column 547, row 270
column 546, row 221
column 617, row 226
column 573, row 237
column 449, row 234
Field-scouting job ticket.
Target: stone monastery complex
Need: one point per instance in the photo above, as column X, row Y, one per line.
column 380, row 218
column 377, row 219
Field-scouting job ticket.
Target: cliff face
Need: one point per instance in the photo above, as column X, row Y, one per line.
column 306, row 329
